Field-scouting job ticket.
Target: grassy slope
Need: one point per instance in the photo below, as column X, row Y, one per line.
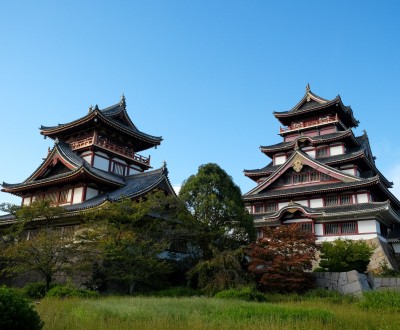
column 207, row 313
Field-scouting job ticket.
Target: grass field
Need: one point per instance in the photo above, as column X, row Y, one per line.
column 211, row 313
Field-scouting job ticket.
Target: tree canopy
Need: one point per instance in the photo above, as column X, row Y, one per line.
column 216, row 203
column 280, row 259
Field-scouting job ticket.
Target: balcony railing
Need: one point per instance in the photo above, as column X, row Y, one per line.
column 309, row 123
column 115, row 148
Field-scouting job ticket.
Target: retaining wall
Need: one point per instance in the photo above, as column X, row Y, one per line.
column 355, row 283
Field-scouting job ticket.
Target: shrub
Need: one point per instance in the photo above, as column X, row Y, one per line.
column 16, row 312
column 343, row 255
column 245, row 293
column 179, row 291
column 35, row 290
column 66, row 291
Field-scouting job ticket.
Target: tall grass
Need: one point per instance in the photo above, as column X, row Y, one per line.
column 210, row 313
column 381, row 300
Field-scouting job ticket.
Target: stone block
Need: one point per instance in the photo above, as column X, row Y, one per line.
column 398, row 282
column 385, row 282
column 352, row 276
column 342, row 279
column 393, row 282
column 352, row 288
column 377, row 282
column 335, row 276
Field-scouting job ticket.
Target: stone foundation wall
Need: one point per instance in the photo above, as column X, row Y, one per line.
column 383, row 255
column 385, row 283
column 355, row 283
column 346, row 283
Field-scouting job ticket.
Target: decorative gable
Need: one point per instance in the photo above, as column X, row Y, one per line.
column 301, row 169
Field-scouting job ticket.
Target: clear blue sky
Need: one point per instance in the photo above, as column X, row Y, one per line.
column 205, row 75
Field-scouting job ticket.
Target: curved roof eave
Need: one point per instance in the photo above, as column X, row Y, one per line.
column 133, row 131
column 297, row 111
column 312, row 189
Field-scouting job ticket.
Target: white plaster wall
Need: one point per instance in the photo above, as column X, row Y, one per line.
column 319, row 230
column 311, row 153
column 316, row 202
column 396, row 247
column 101, row 163
column 88, row 158
column 77, row 195
column 367, row 226
column 336, row 150
column 282, row 204
column 278, row 160
column 90, row 193
column 26, row 201
column 302, row 202
column 348, row 171
column 362, row 198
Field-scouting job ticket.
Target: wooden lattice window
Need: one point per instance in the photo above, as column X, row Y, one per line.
column 331, row 200
column 342, row 228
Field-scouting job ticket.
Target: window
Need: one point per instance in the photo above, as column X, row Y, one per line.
column 346, row 199
column 349, row 227
column 63, row 196
column 331, row 200
column 314, row 176
column 52, row 197
column 322, row 152
column 287, row 180
column 119, row 169
column 270, row 207
column 340, row 228
column 331, row 229
column 300, row 178
column 306, row 227
column 259, row 208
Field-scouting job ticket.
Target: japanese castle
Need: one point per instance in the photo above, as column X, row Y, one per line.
column 95, row 159
column 323, row 176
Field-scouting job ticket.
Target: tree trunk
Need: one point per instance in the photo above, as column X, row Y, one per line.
column 131, row 287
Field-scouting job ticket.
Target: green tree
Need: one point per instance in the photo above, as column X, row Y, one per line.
column 282, row 258
column 343, row 255
column 223, row 271
column 221, row 225
column 215, row 202
column 47, row 251
column 129, row 237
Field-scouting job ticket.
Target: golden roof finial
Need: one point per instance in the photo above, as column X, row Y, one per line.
column 308, row 89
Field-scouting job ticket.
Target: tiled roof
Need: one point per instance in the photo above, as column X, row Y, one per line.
column 312, row 102
column 65, row 151
column 314, row 140
column 311, row 189
column 371, row 206
column 329, row 212
column 107, row 115
column 135, row 185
